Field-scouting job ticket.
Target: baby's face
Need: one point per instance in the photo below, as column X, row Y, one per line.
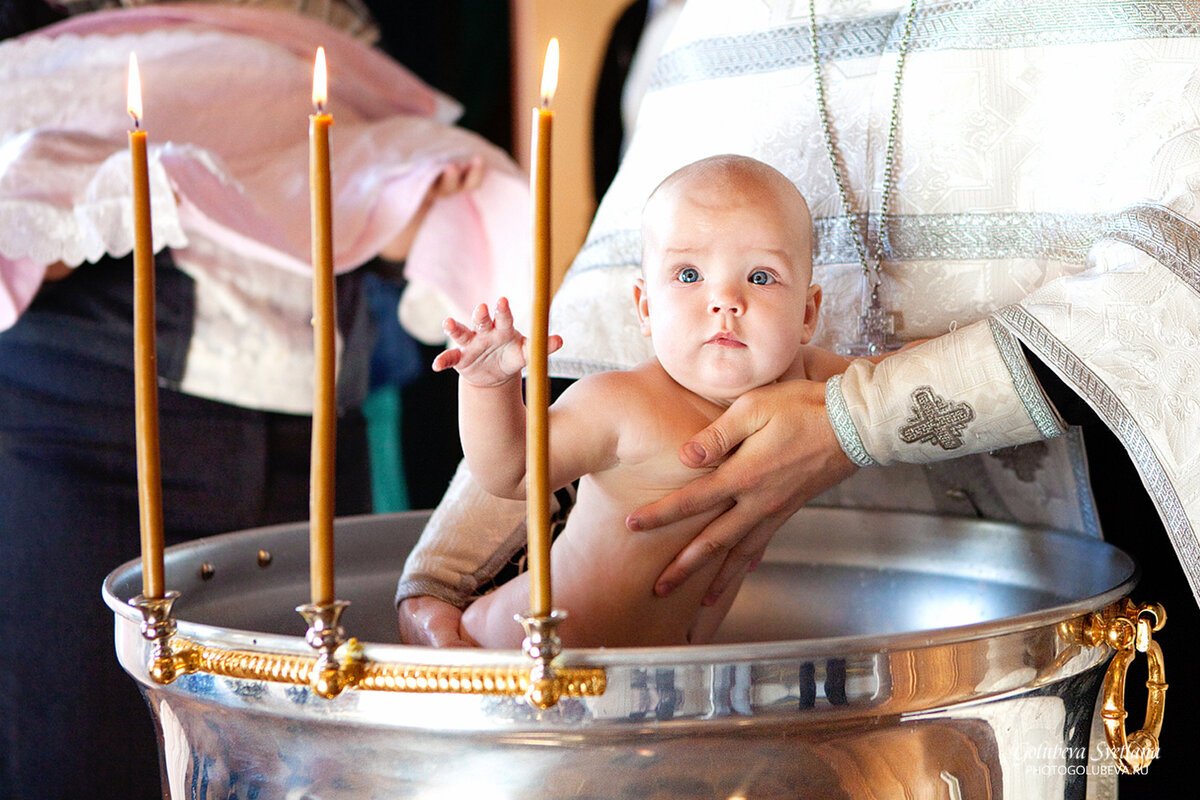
column 726, row 295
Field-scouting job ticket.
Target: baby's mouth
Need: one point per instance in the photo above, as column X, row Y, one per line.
column 725, row 339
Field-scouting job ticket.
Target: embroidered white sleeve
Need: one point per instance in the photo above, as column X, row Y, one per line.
column 1127, row 340
column 966, row 392
column 466, row 541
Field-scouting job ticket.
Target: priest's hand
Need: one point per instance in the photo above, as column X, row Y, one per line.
column 430, row 621
column 779, row 451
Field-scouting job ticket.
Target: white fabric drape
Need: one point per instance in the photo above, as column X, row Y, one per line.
column 1047, row 175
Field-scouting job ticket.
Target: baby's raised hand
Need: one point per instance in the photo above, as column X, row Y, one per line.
column 489, row 353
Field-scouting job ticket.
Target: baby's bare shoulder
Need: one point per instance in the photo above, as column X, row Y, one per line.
column 642, row 386
column 817, row 364
column 641, row 404
column 605, row 400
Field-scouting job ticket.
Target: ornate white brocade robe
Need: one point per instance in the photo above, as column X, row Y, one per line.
column 1046, row 184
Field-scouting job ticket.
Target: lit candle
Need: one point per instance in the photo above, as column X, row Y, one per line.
column 145, row 371
column 537, row 384
column 324, row 419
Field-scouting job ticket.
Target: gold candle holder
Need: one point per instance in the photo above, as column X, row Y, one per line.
column 543, row 646
column 325, row 635
column 158, row 627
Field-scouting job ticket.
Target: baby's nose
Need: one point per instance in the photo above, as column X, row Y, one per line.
column 727, row 304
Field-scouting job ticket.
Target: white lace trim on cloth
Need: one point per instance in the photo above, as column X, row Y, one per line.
column 66, row 197
column 229, row 174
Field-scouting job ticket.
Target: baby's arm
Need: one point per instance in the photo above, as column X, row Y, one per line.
column 489, row 357
column 491, row 415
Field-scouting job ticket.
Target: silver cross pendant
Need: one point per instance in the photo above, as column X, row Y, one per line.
column 876, row 327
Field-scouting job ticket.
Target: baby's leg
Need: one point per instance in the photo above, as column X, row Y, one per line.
column 489, row 620
column 710, row 617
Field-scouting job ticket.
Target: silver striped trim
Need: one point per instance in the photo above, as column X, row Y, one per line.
column 1048, row 423
column 843, row 424
column 1156, row 230
column 956, row 25
column 770, row 50
column 1114, row 413
column 1166, row 236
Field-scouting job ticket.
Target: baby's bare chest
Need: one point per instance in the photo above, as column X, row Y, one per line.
column 648, row 466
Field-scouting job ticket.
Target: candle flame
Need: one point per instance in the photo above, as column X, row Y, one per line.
column 550, row 72
column 134, row 91
column 320, row 93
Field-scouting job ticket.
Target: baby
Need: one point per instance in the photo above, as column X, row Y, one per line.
column 727, row 301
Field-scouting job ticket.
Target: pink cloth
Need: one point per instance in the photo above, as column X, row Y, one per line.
column 226, row 93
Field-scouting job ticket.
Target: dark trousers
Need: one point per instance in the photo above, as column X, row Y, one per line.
column 72, row 724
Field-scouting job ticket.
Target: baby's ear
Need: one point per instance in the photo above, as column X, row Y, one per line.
column 641, row 302
column 812, row 312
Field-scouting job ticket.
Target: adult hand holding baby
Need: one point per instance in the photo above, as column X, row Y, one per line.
column 779, row 452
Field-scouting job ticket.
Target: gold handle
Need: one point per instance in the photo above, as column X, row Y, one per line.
column 1128, row 628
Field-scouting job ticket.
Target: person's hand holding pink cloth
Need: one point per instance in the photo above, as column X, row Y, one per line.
column 226, row 95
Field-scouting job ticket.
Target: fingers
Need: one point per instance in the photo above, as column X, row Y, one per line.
column 443, row 636
column 448, row 181
column 714, row 542
column 743, row 557
column 457, row 332
column 473, row 174
column 702, row 494
column 446, row 360
column 481, row 320
column 795, row 457
column 725, row 433
column 459, row 176
column 483, row 323
column 554, row 343
column 429, row 621
column 504, row 317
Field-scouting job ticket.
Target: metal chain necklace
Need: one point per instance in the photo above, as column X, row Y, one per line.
column 877, row 325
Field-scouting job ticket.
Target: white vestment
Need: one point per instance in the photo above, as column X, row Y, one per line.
column 1046, row 177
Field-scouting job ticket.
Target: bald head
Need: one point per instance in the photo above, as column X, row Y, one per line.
column 727, row 252
column 729, row 180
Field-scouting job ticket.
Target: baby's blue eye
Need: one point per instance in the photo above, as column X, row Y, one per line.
column 689, row 275
column 760, row 277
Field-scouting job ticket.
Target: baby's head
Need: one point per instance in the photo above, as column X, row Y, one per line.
column 726, row 293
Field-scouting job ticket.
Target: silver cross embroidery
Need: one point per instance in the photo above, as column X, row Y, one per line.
column 936, row 420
